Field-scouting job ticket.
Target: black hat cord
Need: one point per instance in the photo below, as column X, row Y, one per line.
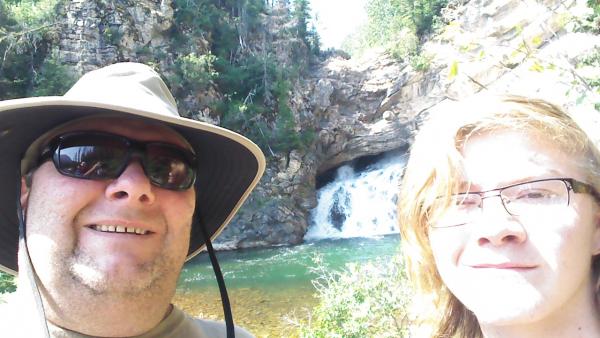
column 32, row 276
column 220, row 281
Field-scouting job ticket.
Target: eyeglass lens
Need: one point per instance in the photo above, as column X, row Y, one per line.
column 92, row 158
column 105, row 157
column 518, row 200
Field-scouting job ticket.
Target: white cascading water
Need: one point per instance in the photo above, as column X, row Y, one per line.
column 358, row 204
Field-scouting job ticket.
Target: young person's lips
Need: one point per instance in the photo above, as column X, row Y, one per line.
column 504, row 266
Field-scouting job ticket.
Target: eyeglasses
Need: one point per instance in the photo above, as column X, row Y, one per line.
column 522, row 199
column 101, row 156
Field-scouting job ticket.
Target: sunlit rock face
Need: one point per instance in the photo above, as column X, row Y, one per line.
column 96, row 33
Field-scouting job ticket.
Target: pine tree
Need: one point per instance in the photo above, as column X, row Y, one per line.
column 302, row 16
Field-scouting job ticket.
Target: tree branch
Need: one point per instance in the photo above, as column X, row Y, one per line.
column 19, row 34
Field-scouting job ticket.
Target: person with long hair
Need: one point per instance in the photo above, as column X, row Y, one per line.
column 500, row 221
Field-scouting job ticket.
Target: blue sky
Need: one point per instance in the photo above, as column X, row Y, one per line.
column 335, row 19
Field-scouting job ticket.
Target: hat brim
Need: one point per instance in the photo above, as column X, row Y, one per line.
column 229, row 165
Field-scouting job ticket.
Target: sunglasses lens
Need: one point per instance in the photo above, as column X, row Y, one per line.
column 91, row 156
column 168, row 167
column 105, row 156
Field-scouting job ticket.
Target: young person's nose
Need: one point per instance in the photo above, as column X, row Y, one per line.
column 132, row 185
column 496, row 226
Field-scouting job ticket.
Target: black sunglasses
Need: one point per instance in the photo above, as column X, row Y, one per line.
column 100, row 156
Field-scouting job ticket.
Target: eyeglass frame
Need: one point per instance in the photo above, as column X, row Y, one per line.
column 571, row 184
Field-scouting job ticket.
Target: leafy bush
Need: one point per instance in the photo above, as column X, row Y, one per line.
column 193, row 72
column 7, row 283
column 595, row 6
column 53, row 78
column 285, row 136
column 364, row 300
column 591, row 80
column 406, row 46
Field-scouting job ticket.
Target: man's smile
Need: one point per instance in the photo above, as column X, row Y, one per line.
column 118, row 229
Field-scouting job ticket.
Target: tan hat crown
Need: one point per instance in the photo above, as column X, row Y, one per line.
column 129, row 85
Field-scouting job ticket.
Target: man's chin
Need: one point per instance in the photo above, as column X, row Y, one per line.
column 116, row 280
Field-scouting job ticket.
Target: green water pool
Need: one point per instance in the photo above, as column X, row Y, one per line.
column 270, row 288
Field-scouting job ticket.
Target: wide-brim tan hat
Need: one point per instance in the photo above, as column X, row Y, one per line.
column 229, row 165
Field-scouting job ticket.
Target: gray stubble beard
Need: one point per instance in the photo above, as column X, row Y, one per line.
column 84, row 272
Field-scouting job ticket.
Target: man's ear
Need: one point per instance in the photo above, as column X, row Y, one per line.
column 24, row 193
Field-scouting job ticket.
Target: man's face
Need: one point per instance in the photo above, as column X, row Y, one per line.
column 71, row 222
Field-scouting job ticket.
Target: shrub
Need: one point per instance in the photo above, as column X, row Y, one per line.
column 27, row 28
column 398, row 26
column 364, row 300
column 53, row 78
column 7, row 283
column 195, row 72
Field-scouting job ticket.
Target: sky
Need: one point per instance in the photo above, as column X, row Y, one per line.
column 335, row 19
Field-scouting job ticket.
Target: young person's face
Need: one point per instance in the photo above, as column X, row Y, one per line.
column 519, row 269
column 70, row 250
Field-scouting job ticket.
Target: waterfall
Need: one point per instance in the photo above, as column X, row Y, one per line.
column 358, row 203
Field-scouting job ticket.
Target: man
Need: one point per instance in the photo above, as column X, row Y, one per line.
column 106, row 192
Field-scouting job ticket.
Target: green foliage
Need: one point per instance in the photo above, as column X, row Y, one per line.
column 593, row 60
column 365, row 300
column 421, row 62
column 405, row 48
column 301, row 14
column 53, row 78
column 592, row 22
column 595, row 6
column 7, row 283
column 397, row 25
column 285, row 136
column 254, row 86
column 245, row 77
column 274, row 132
column 27, row 28
column 112, row 35
column 314, row 41
column 193, row 72
column 590, row 80
column 32, row 12
column 213, row 46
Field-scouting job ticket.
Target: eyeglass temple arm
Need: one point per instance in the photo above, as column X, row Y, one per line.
column 580, row 187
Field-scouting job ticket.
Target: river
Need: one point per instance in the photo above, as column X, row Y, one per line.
column 269, row 288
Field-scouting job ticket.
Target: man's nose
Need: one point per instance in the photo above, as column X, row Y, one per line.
column 496, row 226
column 132, row 186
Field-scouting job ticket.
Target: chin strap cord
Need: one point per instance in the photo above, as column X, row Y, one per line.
column 32, row 277
column 221, row 282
